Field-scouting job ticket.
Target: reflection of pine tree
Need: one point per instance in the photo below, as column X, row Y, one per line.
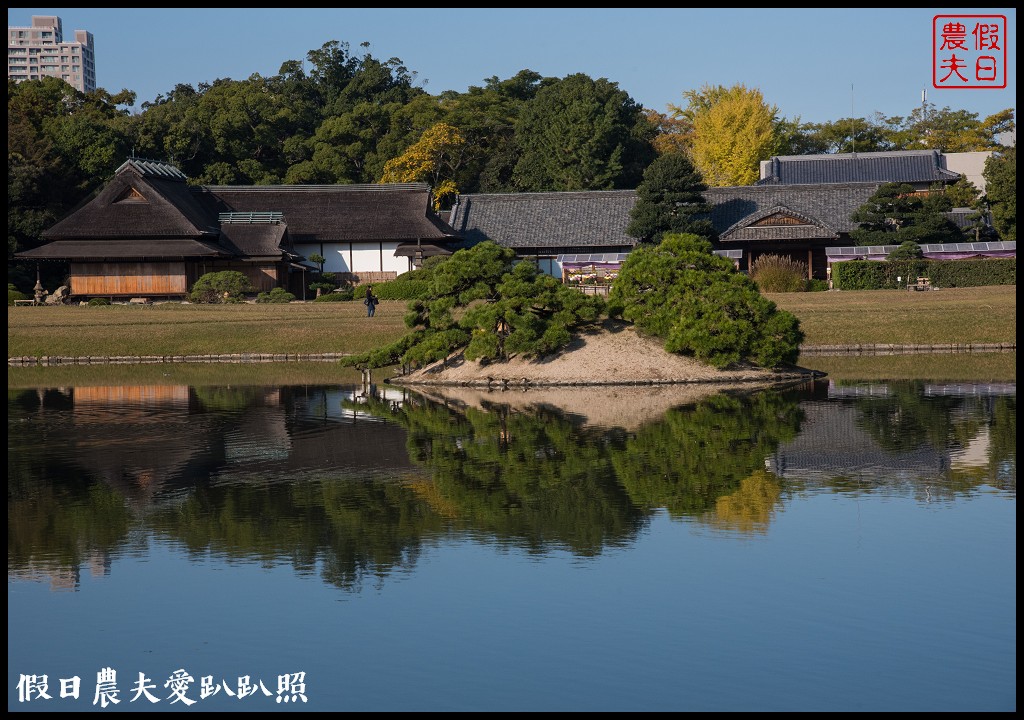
column 538, row 477
column 697, row 454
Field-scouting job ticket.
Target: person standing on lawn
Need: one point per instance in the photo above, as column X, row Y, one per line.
column 370, row 301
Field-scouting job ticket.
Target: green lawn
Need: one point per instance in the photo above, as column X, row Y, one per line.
column 951, row 315
column 968, row 315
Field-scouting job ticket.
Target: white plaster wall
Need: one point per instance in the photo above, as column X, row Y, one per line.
column 357, row 257
column 969, row 164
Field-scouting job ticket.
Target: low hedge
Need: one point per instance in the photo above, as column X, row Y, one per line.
column 882, row 275
column 340, row 296
column 400, row 289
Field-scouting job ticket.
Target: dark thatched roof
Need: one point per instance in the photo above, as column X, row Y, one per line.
column 254, row 240
column 125, row 249
column 150, row 205
column 337, row 213
column 137, row 205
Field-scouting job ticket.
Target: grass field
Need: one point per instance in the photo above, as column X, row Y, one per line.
column 967, row 315
column 952, row 315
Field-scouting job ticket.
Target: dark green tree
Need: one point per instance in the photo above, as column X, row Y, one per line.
column 1001, row 192
column 480, row 301
column 670, row 199
column 61, row 146
column 700, row 305
column 908, row 250
column 582, row 134
column 895, row 214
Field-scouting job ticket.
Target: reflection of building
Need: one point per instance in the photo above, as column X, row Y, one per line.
column 833, row 444
column 62, row 577
column 148, row 441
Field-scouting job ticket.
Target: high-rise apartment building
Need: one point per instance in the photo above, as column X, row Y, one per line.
column 40, row 51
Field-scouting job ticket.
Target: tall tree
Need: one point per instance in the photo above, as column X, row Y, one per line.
column 670, row 199
column 843, row 136
column 953, row 130
column 1001, row 191
column 435, row 159
column 673, row 134
column 61, row 145
column 582, row 134
column 734, row 129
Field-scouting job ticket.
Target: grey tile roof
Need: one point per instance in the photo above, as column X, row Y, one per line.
column 825, row 207
column 905, row 166
column 596, row 218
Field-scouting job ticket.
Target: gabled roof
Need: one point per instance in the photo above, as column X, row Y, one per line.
column 778, row 222
column 336, row 213
column 825, row 210
column 904, row 166
column 595, row 218
column 137, row 203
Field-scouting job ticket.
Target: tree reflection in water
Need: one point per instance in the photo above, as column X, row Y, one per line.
column 87, row 480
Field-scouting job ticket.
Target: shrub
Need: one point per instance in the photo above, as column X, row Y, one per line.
column 701, row 306
column 339, row 296
column 326, row 282
column 226, row 286
column 908, row 250
column 886, row 275
column 14, row 294
column 778, row 273
column 97, row 302
column 400, row 289
column 277, row 295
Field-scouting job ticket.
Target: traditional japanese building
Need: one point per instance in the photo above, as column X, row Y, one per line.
column 562, row 231
column 148, row 233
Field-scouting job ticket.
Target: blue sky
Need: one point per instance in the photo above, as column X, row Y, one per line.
column 815, row 64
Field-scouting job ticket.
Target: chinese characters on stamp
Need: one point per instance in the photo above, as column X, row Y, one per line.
column 969, row 51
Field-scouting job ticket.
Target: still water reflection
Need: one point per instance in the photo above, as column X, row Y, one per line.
column 843, row 547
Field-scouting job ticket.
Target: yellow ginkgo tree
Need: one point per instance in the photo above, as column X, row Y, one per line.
column 432, row 159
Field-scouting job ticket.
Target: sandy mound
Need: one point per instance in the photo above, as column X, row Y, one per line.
column 614, row 354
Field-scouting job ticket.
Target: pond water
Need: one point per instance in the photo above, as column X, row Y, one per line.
column 828, row 546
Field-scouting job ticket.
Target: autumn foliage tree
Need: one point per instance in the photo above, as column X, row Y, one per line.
column 733, row 130
column 433, row 159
